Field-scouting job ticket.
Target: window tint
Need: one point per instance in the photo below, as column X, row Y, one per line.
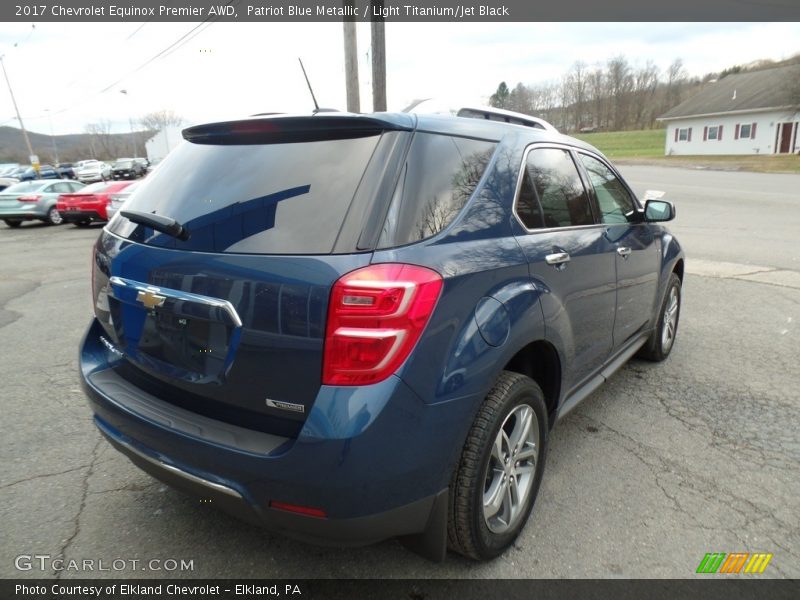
column 529, row 210
column 439, row 176
column 559, row 189
column 287, row 198
column 616, row 205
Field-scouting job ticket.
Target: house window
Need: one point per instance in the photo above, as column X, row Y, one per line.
column 745, row 131
column 683, row 135
column 712, row 133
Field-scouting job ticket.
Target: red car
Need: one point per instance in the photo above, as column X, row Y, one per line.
column 90, row 203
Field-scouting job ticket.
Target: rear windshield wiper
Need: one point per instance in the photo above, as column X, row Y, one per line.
column 157, row 222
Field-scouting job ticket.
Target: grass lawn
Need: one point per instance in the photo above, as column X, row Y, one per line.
column 647, row 147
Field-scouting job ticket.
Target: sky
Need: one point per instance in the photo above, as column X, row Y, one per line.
column 65, row 76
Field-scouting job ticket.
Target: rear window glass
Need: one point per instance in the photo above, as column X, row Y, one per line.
column 257, row 199
column 437, row 180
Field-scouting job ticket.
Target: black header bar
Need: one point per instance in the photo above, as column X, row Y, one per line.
column 401, row 10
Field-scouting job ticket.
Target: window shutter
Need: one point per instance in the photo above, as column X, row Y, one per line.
column 676, row 134
column 736, row 132
column 689, row 135
column 719, row 134
column 705, row 133
column 753, row 131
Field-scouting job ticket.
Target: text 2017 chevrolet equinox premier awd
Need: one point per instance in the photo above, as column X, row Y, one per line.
column 353, row 327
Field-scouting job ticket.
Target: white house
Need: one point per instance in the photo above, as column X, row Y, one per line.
column 748, row 113
column 160, row 144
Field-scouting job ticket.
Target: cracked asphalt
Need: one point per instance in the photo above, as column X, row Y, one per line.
column 663, row 464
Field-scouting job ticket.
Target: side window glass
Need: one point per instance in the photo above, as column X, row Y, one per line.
column 616, row 205
column 529, row 210
column 559, row 188
column 439, row 177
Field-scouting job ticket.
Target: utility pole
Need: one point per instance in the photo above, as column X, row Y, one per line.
column 378, row 58
column 351, row 61
column 130, row 122
column 52, row 137
column 19, row 118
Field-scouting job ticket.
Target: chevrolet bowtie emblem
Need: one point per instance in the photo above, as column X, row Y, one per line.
column 150, row 298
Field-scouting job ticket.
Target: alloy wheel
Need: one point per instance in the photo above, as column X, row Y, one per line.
column 511, row 469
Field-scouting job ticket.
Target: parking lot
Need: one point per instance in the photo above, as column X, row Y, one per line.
column 663, row 464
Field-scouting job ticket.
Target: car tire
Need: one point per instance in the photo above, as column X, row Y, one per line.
column 502, row 461
column 82, row 223
column 662, row 338
column 54, row 217
column 13, row 222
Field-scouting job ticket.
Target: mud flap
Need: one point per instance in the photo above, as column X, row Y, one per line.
column 431, row 543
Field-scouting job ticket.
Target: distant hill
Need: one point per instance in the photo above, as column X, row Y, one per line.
column 71, row 148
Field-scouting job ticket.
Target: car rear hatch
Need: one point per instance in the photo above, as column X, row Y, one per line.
column 229, row 319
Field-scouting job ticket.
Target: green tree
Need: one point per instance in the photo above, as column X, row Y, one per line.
column 500, row 98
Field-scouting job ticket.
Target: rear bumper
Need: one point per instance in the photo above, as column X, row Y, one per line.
column 379, row 466
column 25, row 212
column 74, row 216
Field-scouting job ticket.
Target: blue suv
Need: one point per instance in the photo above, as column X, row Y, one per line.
column 347, row 328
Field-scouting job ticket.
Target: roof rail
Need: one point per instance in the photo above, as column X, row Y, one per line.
column 498, row 114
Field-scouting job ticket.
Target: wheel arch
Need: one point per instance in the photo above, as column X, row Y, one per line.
column 540, row 361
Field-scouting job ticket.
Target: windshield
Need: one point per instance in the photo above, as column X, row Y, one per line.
column 94, row 188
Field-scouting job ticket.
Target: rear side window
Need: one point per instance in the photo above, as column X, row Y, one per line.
column 289, row 198
column 552, row 193
column 438, row 178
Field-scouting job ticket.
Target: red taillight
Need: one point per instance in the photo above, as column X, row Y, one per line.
column 31, row 198
column 308, row 511
column 375, row 317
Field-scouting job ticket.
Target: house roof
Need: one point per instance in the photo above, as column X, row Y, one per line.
column 752, row 91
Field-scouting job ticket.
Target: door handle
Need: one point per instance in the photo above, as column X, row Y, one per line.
column 624, row 251
column 558, row 258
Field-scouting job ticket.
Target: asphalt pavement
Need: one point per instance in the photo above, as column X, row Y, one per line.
column 663, row 464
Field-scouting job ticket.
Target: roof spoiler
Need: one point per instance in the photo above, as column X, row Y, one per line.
column 498, row 114
column 284, row 130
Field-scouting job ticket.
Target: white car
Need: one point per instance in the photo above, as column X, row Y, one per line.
column 93, row 170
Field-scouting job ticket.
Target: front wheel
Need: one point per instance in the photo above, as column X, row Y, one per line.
column 497, row 479
column 662, row 339
column 54, row 217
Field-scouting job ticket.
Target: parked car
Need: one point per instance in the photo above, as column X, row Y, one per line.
column 29, row 200
column 7, row 182
column 45, row 172
column 128, row 168
column 92, row 171
column 7, row 168
column 117, row 199
column 88, row 204
column 373, row 332
column 65, row 170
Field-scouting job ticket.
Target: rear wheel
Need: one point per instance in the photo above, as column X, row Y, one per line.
column 497, row 479
column 54, row 217
column 13, row 222
column 662, row 339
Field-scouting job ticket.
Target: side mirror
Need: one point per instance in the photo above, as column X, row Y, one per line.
column 658, row 210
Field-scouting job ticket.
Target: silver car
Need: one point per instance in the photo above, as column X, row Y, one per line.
column 31, row 200
column 119, row 198
column 93, row 171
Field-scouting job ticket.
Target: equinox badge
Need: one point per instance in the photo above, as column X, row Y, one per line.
column 150, row 298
